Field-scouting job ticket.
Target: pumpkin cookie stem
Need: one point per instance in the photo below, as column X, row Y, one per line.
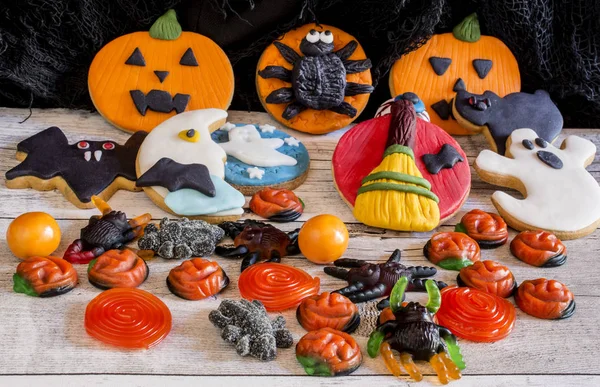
column 468, row 30
column 166, row 27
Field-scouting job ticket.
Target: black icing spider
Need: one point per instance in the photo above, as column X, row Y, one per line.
column 318, row 78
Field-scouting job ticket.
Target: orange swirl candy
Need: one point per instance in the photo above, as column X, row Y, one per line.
column 539, row 248
column 44, row 277
column 489, row 230
column 328, row 310
column 475, row 315
column 117, row 269
column 276, row 285
column 488, row 276
column 128, row 318
column 547, row 299
column 328, row 352
column 196, row 279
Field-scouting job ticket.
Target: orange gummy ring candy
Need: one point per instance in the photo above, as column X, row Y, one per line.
column 277, row 286
column 128, row 318
column 476, row 315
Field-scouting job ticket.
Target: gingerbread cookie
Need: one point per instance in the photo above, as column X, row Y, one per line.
column 446, row 63
column 79, row 171
column 560, row 195
column 259, row 156
column 141, row 79
column 498, row 117
column 314, row 79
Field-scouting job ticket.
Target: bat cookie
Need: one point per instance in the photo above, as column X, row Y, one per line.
column 79, row 171
column 560, row 195
column 498, row 117
column 182, row 169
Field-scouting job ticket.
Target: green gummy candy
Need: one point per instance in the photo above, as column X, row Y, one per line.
column 22, row 286
column 314, row 367
column 454, row 263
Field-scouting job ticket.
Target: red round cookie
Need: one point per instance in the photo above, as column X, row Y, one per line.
column 361, row 149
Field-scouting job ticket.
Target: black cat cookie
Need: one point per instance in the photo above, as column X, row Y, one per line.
column 79, row 171
column 498, row 117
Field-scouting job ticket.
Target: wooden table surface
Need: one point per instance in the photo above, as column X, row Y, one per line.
column 43, row 341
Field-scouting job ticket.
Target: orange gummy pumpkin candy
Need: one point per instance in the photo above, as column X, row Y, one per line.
column 452, row 250
column 128, row 318
column 328, row 310
column 117, row 269
column 196, row 279
column 277, row 205
column 547, row 299
column 44, row 277
column 539, row 248
column 488, row 276
column 488, row 229
column 328, row 352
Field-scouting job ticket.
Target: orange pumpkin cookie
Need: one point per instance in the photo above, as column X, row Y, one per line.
column 547, row 299
column 488, row 276
column 314, row 79
column 539, row 248
column 331, row 310
column 140, row 79
column 44, row 277
column 451, row 250
column 196, row 279
column 489, row 230
column 328, row 352
column 117, row 269
column 448, row 62
column 277, row 205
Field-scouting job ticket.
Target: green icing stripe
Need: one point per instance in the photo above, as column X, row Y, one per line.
column 399, row 149
column 403, row 177
column 399, row 187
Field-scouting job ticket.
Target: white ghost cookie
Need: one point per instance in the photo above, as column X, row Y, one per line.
column 560, row 195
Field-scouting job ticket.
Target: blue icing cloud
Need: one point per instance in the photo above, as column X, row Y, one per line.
column 235, row 170
column 191, row 202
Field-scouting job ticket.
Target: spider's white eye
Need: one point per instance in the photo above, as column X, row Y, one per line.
column 327, row 37
column 312, row 36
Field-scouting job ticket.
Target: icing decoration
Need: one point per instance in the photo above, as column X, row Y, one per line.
column 314, row 81
column 541, row 142
column 266, row 128
column 476, row 315
column 563, row 201
column 482, row 67
column 385, row 107
column 49, row 162
column 328, row 310
column 196, row 279
column 445, row 158
column 254, row 240
column 528, row 144
column 291, row 141
column 488, row 229
column 44, row 277
column 193, row 176
column 395, row 195
column 128, row 80
column 246, row 145
column 277, row 286
column 323, row 239
column 277, row 205
column 465, row 46
column 361, row 149
column 118, row 269
column 255, row 173
column 181, row 239
column 33, row 234
column 368, row 281
column 488, row 276
column 247, row 325
column 498, row 117
column 451, row 250
column 550, row 159
column 539, row 248
column 190, row 135
column 411, row 330
column 440, row 65
column 328, row 352
column 109, row 231
column 547, row 299
column 128, row 318
column 227, row 126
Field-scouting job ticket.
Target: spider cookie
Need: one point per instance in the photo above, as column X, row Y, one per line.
column 79, row 171
column 498, row 117
column 259, row 156
column 182, row 169
column 314, row 79
column 560, row 195
column 141, row 79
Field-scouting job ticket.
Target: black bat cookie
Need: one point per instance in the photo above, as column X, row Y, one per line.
column 88, row 167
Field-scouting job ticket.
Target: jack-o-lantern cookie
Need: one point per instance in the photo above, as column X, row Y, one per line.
column 547, row 299
column 44, row 277
column 539, row 248
column 182, row 169
column 117, row 269
column 462, row 59
column 314, row 79
column 488, row 229
column 141, row 79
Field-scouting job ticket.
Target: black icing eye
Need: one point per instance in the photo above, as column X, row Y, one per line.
column 188, row 58
column 541, row 142
column 83, row 145
column 136, row 58
column 312, row 36
column 190, row 133
column 440, row 65
column 108, row 146
column 528, row 144
column 482, row 67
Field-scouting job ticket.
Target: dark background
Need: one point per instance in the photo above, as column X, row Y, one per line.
column 46, row 46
